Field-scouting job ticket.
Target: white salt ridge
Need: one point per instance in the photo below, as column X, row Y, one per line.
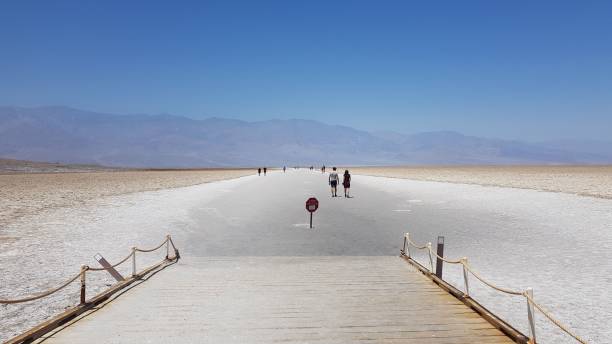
column 558, row 244
column 53, row 244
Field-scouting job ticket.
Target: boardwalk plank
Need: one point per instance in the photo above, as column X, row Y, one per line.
column 284, row 300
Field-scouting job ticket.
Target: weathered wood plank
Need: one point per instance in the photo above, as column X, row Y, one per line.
column 285, row 300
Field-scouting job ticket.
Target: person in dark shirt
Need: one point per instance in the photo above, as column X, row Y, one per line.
column 259, row 171
column 346, row 182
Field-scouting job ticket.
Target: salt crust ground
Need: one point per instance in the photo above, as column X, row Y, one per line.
column 27, row 194
column 557, row 243
column 595, row 181
column 57, row 222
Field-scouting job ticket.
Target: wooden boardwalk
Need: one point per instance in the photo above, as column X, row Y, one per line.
column 283, row 299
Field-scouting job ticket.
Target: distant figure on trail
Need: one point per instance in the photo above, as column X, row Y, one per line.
column 284, row 169
column 333, row 182
column 346, row 182
column 323, row 169
column 259, row 171
column 265, row 170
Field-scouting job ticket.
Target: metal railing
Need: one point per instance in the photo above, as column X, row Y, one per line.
column 467, row 269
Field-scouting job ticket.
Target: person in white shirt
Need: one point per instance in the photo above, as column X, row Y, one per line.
column 333, row 182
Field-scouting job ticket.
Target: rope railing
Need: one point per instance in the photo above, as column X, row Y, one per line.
column 42, row 294
column 168, row 242
column 152, row 249
column 528, row 293
column 114, row 265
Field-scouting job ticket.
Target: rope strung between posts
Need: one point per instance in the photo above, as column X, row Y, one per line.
column 553, row 319
column 503, row 290
column 428, row 247
column 415, row 245
column 153, row 249
column 172, row 243
column 43, row 294
column 463, row 262
column 115, row 265
column 460, row 261
column 467, row 266
column 87, row 268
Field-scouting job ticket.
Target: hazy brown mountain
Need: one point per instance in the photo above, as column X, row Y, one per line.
column 67, row 135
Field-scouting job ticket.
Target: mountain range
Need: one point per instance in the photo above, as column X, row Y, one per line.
column 67, row 135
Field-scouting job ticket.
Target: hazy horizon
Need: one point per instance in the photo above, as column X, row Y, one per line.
column 77, row 136
column 387, row 131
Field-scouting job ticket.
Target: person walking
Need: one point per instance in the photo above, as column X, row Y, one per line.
column 265, row 170
column 259, row 171
column 346, row 182
column 333, row 182
column 284, row 169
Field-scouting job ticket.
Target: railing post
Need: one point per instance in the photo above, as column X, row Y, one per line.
column 167, row 246
column 133, row 261
column 407, row 244
column 465, row 276
column 440, row 262
column 530, row 316
column 431, row 269
column 83, row 271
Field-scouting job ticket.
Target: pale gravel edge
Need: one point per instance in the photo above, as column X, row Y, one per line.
column 490, row 185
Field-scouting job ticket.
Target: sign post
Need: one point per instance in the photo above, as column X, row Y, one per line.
column 312, row 204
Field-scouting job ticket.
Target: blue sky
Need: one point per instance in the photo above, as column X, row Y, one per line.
column 511, row 69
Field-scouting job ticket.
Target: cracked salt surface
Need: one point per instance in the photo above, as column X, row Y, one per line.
column 557, row 243
column 51, row 245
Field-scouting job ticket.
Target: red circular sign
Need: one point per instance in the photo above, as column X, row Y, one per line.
column 312, row 204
